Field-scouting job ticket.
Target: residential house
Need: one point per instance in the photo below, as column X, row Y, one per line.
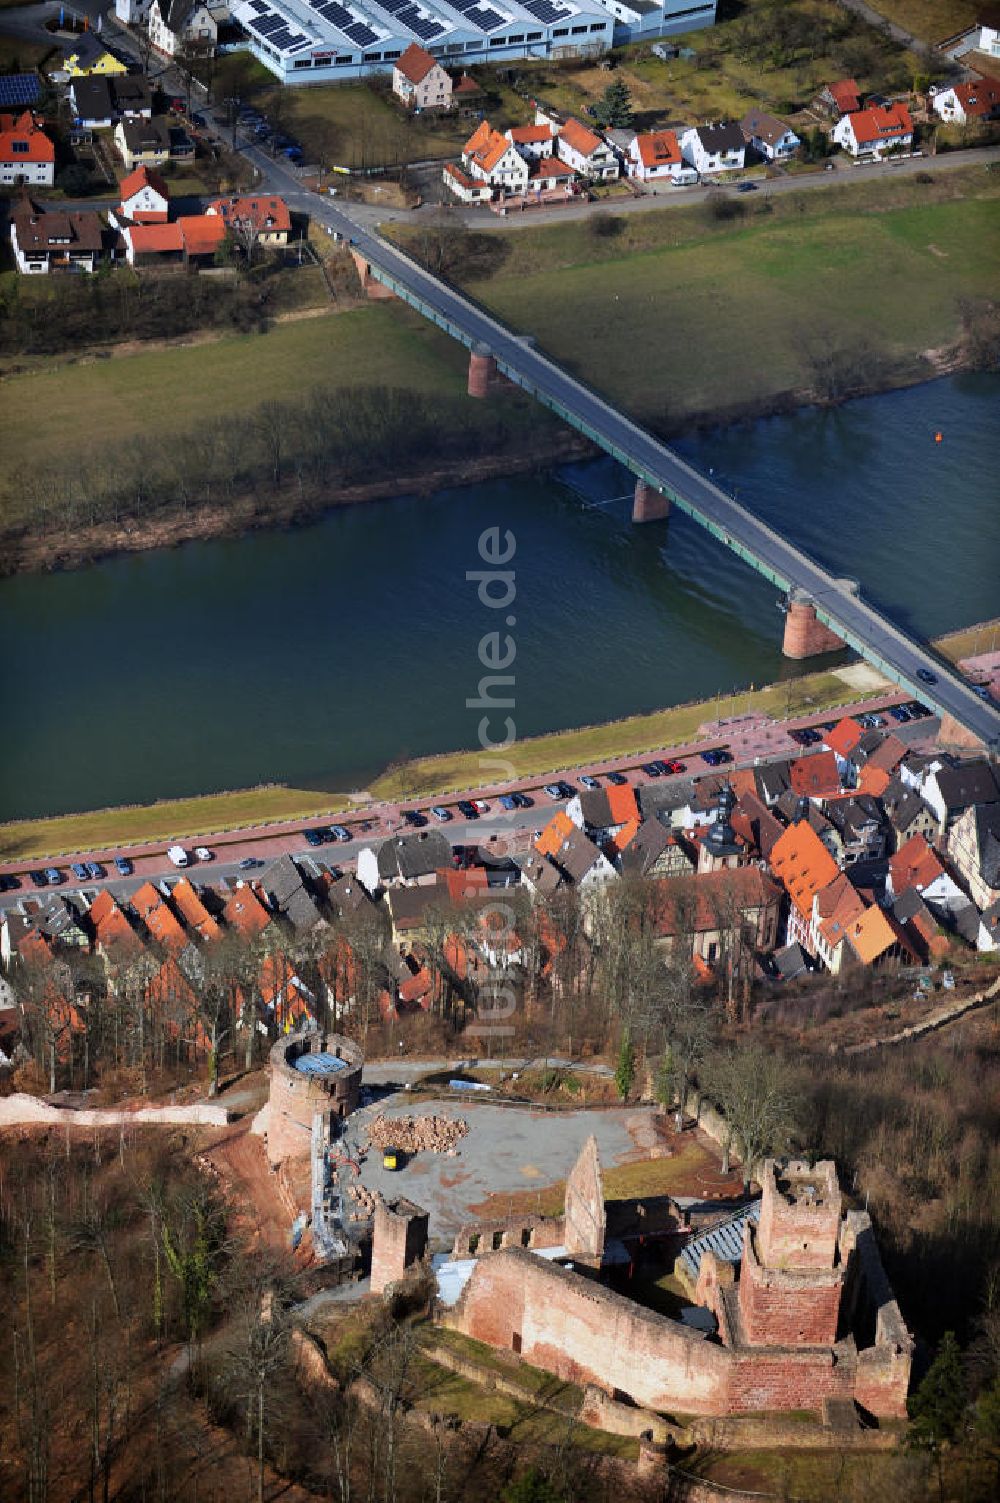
column 725, row 913
column 674, row 802
column 490, row 158
column 974, row 851
column 756, row 825
column 420, row 81
column 875, row 131
column 583, row 150
column 907, row 813
column 203, row 235
column 133, row 12
column 404, row 861
column 286, row 892
column 793, row 809
column 950, row 788
column 845, row 932
column 656, row 155
column 268, row 216
column 579, row 859
column 549, row 173
column 714, row 148
column 131, row 97
column 143, row 143
column 27, row 155
column 178, row 24
column 841, row 98
column 144, row 197
column 772, row 781
column 655, row 851
column 770, row 137
column 860, row 823
column 87, row 56
column 989, row 928
column 719, row 846
column 61, row 920
column 533, row 141
column 411, row 909
column 976, row 101
column 245, row 912
column 917, row 867
column 159, row 919
column 919, row 924
column 470, row 190
column 114, row 938
column 466, row 94
column 55, row 241
column 148, row 245
column 539, row 875
column 602, row 812
column 815, row 776
column 92, row 103
column 803, row 866
column 193, row 913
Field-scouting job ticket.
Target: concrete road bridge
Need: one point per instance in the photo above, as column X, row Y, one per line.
column 823, row 612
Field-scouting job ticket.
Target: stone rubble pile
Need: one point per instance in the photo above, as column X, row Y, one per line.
column 428, row 1134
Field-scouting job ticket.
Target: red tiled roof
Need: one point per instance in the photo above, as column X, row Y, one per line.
column 245, row 911
column 717, row 897
column 558, row 829
column 549, row 167
column 658, row 148
column 142, row 177
column 267, row 213
column 803, row 865
column 193, row 911
column 415, row 63
column 23, row 130
column 479, row 138
column 156, row 239
column 811, row 777
column 979, row 99
column 844, row 737
column 113, row 930
column 203, row 233
column 580, row 137
column 915, row 864
column 872, row 934
column 845, row 94
column 529, row 135
column 466, row 85
column 880, row 124
column 466, row 884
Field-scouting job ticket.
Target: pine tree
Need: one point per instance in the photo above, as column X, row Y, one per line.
column 937, row 1409
column 615, row 107
column 625, row 1073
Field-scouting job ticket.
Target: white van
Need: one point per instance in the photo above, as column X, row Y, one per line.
column 178, row 855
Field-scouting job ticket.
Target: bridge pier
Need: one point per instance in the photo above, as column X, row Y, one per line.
column 805, row 635
column 650, row 505
column 482, row 370
column 371, row 286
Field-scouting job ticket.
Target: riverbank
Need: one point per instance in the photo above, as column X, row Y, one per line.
column 811, row 695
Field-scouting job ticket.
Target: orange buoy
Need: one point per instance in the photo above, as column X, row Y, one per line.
column 938, row 437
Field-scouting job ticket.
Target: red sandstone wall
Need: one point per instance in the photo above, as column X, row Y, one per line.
column 788, row 1312
column 805, row 636
column 575, row 1328
column 790, row 1380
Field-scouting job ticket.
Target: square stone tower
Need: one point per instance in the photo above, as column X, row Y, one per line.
column 791, row 1274
column 399, row 1238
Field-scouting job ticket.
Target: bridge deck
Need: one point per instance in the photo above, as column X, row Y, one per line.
column 837, row 602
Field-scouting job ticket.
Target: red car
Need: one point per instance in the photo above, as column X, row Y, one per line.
column 677, row 766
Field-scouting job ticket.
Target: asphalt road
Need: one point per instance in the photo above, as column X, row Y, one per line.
column 839, row 602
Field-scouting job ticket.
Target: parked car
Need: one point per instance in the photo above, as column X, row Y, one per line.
column 746, row 187
column 53, row 876
column 508, row 801
column 248, row 863
column 413, row 817
column 523, row 800
column 441, row 813
column 313, row 837
column 79, row 871
column 340, row 832
column 554, row 790
column 95, row 870
column 481, row 805
column 9, row 884
column 651, row 769
column 197, row 118
column 467, row 809
column 717, row 757
column 675, row 766
column 203, row 853
column 899, row 713
column 588, row 781
column 617, row 778
column 123, row 866
column 38, row 879
column 917, row 711
column 926, row 676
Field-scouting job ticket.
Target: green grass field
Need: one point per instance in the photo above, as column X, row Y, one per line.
column 931, row 20
column 749, row 313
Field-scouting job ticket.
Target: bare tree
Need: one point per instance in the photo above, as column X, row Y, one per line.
column 752, row 1087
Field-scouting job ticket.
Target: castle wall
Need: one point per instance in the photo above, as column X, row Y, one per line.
column 783, row 1308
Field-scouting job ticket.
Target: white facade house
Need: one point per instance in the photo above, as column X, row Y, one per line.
column 490, row 158
column 144, row 197
column 27, row 156
column 133, row 12
column 714, row 148
column 770, row 137
column 420, row 81
column 469, row 190
column 874, row 132
column 975, row 101
column 533, row 141
column 655, row 156
column 176, row 24
column 581, row 148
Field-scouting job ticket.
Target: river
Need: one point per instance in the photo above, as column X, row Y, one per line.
column 317, row 655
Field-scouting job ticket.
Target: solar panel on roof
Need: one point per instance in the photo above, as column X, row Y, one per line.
column 267, row 24
column 484, row 18
column 19, row 88
column 545, row 11
column 260, row 6
column 361, row 34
